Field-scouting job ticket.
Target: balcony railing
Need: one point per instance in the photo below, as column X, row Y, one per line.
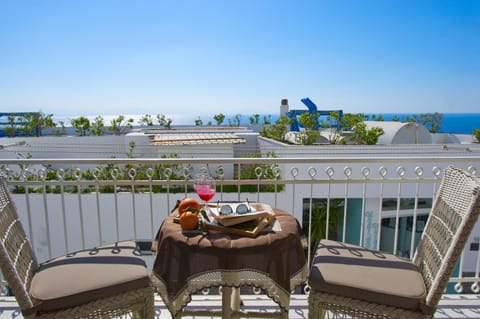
column 382, row 203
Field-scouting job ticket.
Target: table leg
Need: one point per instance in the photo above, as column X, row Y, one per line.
column 235, row 302
column 226, row 302
column 230, row 301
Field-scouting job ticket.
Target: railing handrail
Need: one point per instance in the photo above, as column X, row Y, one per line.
column 282, row 160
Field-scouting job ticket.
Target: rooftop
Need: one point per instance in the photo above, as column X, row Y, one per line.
column 197, row 138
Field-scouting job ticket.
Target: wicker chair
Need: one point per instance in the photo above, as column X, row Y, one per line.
column 104, row 282
column 354, row 282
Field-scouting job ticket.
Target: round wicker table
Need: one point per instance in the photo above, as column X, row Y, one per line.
column 187, row 262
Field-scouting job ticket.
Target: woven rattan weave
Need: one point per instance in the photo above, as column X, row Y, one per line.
column 454, row 213
column 19, row 265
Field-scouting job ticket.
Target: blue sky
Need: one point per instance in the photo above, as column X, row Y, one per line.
column 208, row 57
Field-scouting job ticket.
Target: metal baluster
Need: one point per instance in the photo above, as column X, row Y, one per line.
column 312, row 172
column 61, row 178
column 348, row 173
column 419, row 173
column 238, row 181
column 149, row 173
column 258, row 173
column 329, row 171
column 29, row 210
column 276, row 174
column 97, row 198
column 383, row 172
column 42, row 175
column 294, row 172
column 132, row 173
column 401, row 174
column 365, row 173
column 78, row 176
column 114, row 175
column 221, row 176
column 168, row 173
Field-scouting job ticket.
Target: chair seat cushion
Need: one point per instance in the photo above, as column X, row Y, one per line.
column 356, row 272
column 88, row 275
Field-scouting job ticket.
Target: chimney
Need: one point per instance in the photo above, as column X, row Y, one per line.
column 284, row 107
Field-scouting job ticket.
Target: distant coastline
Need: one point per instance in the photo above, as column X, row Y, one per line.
column 456, row 123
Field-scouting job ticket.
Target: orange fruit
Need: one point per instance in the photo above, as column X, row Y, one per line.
column 188, row 204
column 189, row 220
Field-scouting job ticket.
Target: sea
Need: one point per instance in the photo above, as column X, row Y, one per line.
column 456, row 123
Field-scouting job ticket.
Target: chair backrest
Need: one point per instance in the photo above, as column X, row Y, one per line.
column 17, row 259
column 452, row 218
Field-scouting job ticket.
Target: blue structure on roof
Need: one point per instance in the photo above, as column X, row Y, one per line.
column 17, row 121
column 312, row 109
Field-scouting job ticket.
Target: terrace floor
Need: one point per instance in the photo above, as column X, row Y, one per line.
column 451, row 306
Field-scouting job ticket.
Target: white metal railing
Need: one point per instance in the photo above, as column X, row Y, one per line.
column 381, row 203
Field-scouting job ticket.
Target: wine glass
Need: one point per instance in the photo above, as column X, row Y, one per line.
column 204, row 186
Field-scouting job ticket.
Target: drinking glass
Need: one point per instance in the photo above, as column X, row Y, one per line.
column 204, row 186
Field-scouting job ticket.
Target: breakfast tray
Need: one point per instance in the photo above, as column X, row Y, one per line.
column 249, row 225
column 252, row 230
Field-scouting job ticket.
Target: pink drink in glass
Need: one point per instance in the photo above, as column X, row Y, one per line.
column 204, row 186
column 205, row 192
